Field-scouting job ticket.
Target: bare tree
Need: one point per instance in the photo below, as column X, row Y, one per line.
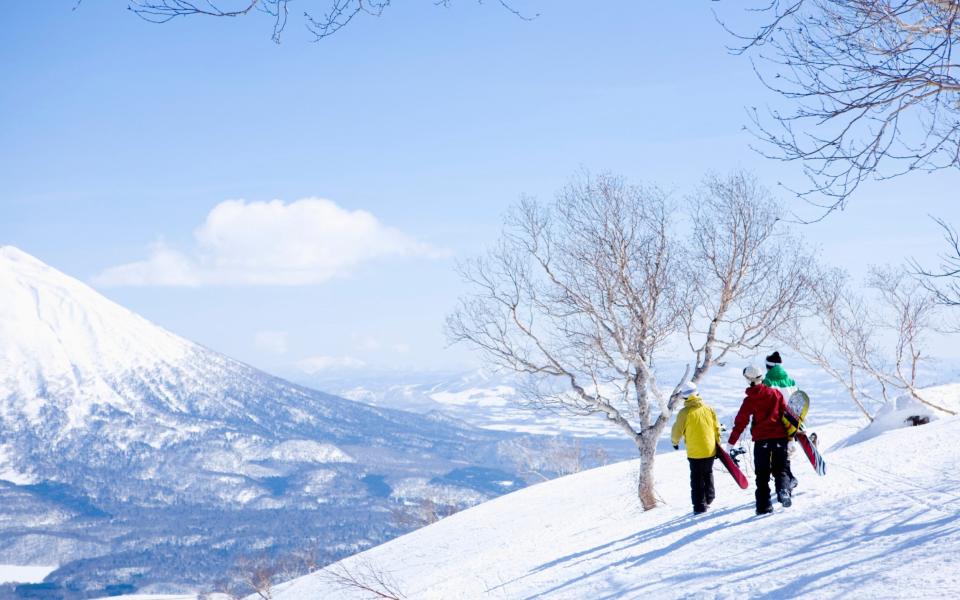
column 875, row 343
column 911, row 313
column 423, row 513
column 334, row 15
column 875, row 84
column 557, row 457
column 748, row 275
column 363, row 576
column 841, row 338
column 255, row 576
column 588, row 291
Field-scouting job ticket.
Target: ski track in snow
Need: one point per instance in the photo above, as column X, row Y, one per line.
column 883, row 523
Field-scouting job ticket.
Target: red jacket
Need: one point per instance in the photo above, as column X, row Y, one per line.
column 765, row 405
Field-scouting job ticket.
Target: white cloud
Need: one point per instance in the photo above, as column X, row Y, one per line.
column 315, row 364
column 164, row 267
column 272, row 243
column 274, row 342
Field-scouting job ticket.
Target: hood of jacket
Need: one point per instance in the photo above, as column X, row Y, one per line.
column 693, row 401
column 697, row 424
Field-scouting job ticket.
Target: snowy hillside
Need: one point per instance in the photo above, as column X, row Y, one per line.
column 883, row 523
column 56, row 331
column 135, row 458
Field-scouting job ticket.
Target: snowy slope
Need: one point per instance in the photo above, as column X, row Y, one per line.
column 56, row 332
column 883, row 523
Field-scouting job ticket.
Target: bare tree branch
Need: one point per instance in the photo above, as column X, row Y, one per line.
column 336, row 15
column 750, row 278
column 944, row 281
column 875, row 85
column 363, row 576
column 877, row 342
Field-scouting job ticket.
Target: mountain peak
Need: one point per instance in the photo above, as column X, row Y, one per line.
column 60, row 335
column 10, row 253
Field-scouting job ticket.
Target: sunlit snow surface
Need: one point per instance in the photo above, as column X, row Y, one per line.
column 24, row 574
column 883, row 523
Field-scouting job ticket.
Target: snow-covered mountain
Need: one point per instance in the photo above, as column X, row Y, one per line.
column 882, row 523
column 123, row 441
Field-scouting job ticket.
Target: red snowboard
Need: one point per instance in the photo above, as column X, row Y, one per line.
column 732, row 467
column 813, row 455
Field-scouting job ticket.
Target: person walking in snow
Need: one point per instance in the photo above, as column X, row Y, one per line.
column 777, row 377
column 697, row 424
column 762, row 408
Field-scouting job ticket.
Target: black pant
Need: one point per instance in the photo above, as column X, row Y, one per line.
column 770, row 458
column 790, row 477
column 701, row 483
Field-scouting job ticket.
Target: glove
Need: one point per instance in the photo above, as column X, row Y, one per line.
column 676, row 446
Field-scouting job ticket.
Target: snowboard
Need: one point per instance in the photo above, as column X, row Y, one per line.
column 732, row 467
column 797, row 406
column 810, row 449
column 793, row 416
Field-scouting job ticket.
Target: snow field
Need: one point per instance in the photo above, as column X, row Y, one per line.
column 883, row 523
column 24, row 574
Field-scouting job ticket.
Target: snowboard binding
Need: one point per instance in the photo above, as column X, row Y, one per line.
column 735, row 454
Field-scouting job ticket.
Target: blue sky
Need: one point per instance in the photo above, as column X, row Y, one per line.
column 120, row 137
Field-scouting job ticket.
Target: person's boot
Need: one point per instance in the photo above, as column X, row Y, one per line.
column 783, row 497
column 764, row 510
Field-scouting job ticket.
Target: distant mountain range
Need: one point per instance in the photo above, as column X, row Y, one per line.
column 138, row 460
column 480, row 398
column 496, row 401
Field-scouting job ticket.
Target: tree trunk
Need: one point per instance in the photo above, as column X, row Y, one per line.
column 647, row 445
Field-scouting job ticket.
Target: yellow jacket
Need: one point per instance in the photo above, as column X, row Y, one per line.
column 698, row 423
